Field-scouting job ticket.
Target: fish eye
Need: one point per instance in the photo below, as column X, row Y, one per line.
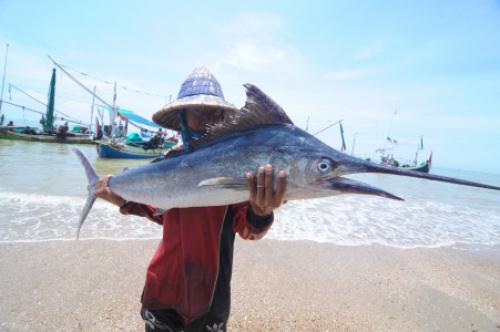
column 324, row 165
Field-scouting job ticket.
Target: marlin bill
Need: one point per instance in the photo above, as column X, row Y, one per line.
column 213, row 172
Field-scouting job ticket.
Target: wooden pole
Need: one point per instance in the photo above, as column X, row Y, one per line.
column 92, row 109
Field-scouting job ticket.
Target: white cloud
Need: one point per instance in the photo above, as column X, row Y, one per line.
column 252, row 43
column 250, row 56
column 254, row 24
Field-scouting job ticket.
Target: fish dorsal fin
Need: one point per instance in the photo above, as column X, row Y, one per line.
column 259, row 110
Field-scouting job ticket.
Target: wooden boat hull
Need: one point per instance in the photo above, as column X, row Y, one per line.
column 425, row 168
column 77, row 139
column 124, row 152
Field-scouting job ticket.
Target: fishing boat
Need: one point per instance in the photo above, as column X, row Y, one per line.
column 425, row 167
column 108, row 150
column 17, row 133
column 48, row 135
column 389, row 159
column 133, row 150
column 112, row 139
column 132, row 146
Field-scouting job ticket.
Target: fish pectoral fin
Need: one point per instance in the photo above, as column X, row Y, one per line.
column 225, row 182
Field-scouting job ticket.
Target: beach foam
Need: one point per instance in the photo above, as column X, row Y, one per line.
column 35, row 217
column 354, row 220
column 344, row 220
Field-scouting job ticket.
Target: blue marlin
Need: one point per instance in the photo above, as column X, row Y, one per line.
column 213, row 173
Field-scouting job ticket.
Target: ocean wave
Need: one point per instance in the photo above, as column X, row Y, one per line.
column 344, row 220
column 34, row 217
column 352, row 221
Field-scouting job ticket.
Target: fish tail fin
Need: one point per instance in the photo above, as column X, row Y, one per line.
column 92, row 180
column 86, row 209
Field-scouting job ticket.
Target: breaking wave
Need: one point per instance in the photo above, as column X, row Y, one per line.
column 343, row 220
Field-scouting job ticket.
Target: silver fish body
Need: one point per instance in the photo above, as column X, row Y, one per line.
column 181, row 181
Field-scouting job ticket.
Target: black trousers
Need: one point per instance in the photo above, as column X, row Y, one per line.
column 169, row 321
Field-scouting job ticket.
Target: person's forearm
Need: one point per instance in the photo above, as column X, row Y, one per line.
column 116, row 200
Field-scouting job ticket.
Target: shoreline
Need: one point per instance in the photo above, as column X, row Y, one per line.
column 95, row 285
column 467, row 247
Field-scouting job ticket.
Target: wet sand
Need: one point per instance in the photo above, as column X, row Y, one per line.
column 95, row 285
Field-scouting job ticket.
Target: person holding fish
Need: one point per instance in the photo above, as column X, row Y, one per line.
column 208, row 200
column 188, row 280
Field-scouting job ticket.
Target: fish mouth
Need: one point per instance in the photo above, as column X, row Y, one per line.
column 349, row 186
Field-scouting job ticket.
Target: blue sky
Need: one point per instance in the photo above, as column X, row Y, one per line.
column 436, row 63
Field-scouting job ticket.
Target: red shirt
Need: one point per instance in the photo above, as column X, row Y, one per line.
column 183, row 272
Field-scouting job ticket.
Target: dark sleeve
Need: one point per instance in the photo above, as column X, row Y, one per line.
column 259, row 221
column 249, row 225
column 142, row 210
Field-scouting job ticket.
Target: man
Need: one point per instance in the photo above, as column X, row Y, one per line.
column 62, row 131
column 188, row 280
column 156, row 142
column 27, row 130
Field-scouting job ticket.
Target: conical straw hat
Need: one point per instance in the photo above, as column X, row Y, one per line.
column 199, row 90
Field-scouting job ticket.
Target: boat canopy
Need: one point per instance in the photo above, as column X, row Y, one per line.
column 134, row 137
column 132, row 117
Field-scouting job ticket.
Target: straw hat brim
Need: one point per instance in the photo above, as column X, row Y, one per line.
column 168, row 116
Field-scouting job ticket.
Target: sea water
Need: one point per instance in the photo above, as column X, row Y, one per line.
column 43, row 189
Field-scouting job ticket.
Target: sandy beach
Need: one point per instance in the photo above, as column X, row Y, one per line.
column 95, row 285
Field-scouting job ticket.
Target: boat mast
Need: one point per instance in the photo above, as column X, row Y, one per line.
column 4, row 74
column 92, row 109
column 353, row 143
column 416, row 156
column 343, row 148
column 420, row 147
column 113, row 115
column 49, row 118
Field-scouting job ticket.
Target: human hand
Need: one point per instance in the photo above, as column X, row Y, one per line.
column 262, row 198
column 102, row 190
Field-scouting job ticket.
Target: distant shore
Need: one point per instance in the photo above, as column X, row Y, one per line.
column 95, row 285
